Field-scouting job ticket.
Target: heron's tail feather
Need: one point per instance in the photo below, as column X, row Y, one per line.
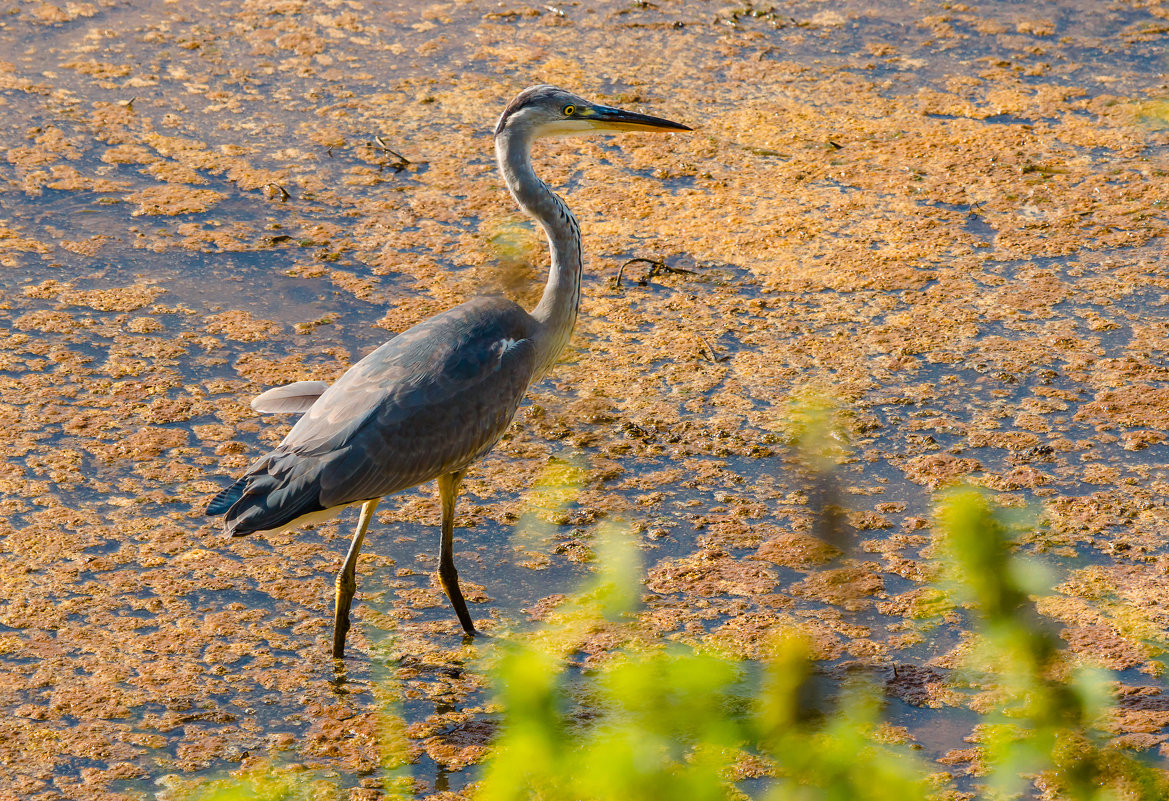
column 226, row 498
column 277, row 490
column 291, row 398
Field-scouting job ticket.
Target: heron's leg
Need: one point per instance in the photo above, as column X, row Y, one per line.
column 347, row 580
column 448, row 491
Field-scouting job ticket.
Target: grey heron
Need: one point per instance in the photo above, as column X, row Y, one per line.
column 434, row 399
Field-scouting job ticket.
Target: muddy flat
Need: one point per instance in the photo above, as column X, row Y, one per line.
column 949, row 218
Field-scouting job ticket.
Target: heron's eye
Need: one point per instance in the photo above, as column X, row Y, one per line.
column 569, row 111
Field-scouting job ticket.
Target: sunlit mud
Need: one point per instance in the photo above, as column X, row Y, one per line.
column 950, row 218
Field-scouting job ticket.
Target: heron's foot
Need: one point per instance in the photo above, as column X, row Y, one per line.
column 340, row 679
column 449, row 578
column 346, row 589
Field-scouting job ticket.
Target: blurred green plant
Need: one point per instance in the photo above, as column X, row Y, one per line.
column 676, row 722
column 546, row 505
column 817, row 428
column 262, row 784
column 655, row 721
column 1153, row 113
column 514, row 246
column 1046, row 723
column 657, row 727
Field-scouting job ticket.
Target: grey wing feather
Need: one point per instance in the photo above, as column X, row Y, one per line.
column 291, row 398
column 435, row 399
column 428, row 402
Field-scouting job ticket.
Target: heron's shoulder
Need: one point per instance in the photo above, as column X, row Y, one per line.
column 492, row 310
column 470, row 332
column 490, row 316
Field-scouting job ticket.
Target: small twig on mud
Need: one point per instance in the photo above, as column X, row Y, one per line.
column 401, row 163
column 617, row 282
column 709, row 353
column 656, row 267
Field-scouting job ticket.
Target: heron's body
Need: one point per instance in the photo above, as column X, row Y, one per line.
column 429, row 402
column 434, row 399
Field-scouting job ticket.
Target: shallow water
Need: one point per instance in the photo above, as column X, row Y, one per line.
column 949, row 218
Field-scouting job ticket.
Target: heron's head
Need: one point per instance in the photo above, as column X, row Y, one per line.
column 549, row 111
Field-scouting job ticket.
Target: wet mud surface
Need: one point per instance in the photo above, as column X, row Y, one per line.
column 950, row 217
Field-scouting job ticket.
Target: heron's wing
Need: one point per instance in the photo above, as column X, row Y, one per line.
column 429, row 401
column 291, row 398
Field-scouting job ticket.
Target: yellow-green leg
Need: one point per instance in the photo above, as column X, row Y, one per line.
column 448, row 492
column 347, row 580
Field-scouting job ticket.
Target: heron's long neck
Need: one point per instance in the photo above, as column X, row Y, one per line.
column 556, row 311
